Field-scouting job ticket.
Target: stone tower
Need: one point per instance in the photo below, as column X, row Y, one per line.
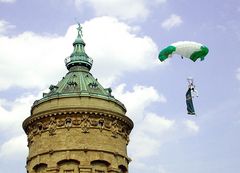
column 78, row 127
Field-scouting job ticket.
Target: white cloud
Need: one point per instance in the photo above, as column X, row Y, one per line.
column 173, row 21
column 14, row 148
column 150, row 130
column 122, row 9
column 116, row 47
column 238, row 74
column 14, row 152
column 138, row 99
column 191, row 126
column 30, row 60
column 13, row 141
column 4, row 26
column 19, row 110
column 141, row 167
column 150, row 134
column 7, row 1
column 160, row 1
column 156, row 125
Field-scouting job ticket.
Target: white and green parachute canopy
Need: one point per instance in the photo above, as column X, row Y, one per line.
column 187, row 49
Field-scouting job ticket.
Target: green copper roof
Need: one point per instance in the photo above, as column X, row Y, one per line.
column 78, row 81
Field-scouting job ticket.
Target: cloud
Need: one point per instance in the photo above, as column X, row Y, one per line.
column 150, row 134
column 173, row 21
column 136, row 100
column 15, row 147
column 7, row 1
column 13, row 141
column 122, row 9
column 30, row 60
column 150, row 129
column 156, row 125
column 4, row 26
column 14, row 152
column 18, row 111
column 117, row 47
column 141, row 167
column 34, row 60
column 191, row 126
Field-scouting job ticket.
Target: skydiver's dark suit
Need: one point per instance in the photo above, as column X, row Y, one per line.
column 189, row 102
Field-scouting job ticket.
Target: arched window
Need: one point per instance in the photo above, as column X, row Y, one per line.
column 100, row 166
column 68, row 166
column 123, row 169
column 40, row 168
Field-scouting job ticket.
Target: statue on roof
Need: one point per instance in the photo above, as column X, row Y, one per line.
column 79, row 30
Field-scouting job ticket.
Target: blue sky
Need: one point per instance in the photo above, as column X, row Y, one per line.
column 124, row 38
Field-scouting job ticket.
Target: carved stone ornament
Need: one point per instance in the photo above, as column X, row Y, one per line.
column 76, row 121
column 85, row 124
column 114, row 129
column 94, row 122
column 68, row 122
column 107, row 124
column 101, row 124
column 83, row 121
column 52, row 126
column 39, row 128
column 60, row 122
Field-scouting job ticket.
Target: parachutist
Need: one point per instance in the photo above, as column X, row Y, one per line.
column 191, row 92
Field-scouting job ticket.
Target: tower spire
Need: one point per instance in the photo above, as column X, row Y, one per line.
column 79, row 58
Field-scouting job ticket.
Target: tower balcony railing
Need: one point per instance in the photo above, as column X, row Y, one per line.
column 78, row 60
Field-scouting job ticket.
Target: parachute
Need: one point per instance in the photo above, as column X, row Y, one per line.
column 187, row 49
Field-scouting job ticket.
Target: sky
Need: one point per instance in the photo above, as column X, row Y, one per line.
column 124, row 38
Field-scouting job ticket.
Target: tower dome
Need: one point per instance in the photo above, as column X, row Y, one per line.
column 78, row 126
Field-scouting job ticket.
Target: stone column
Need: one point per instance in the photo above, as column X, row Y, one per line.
column 85, row 169
column 113, row 170
column 52, row 170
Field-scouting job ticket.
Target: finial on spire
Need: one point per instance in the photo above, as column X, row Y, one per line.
column 79, row 30
column 78, row 57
